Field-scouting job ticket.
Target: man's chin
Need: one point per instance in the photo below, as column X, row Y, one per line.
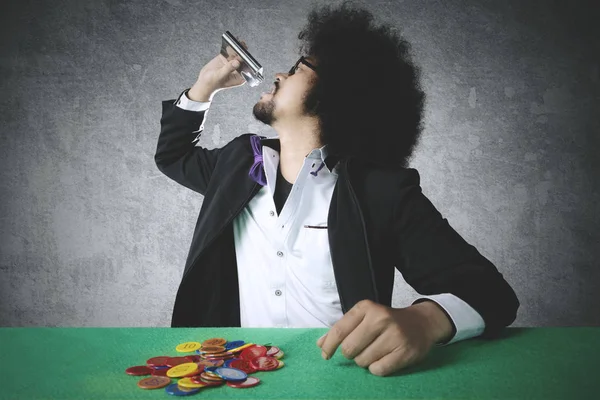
column 262, row 113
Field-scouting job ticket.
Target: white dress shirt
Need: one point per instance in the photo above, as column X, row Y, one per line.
column 284, row 268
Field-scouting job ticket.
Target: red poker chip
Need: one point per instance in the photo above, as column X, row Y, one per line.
column 193, row 358
column 251, row 381
column 158, row 361
column 253, row 352
column 175, row 361
column 265, row 363
column 243, row 365
column 160, row 372
column 139, row 370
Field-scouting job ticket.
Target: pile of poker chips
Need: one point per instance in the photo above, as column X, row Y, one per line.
column 215, row 363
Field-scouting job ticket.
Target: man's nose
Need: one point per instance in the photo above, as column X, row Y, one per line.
column 280, row 75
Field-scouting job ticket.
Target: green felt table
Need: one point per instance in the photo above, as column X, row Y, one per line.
column 90, row 363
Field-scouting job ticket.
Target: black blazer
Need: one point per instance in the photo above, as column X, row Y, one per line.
column 378, row 219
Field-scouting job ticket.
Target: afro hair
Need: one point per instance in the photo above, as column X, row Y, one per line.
column 367, row 94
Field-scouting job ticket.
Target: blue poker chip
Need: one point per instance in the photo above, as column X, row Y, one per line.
column 160, row 367
column 231, row 374
column 234, row 344
column 228, row 362
column 175, row 390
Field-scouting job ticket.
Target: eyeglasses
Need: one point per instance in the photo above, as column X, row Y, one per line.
column 303, row 61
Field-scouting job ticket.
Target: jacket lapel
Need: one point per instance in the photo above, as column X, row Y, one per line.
column 235, row 190
column 348, row 244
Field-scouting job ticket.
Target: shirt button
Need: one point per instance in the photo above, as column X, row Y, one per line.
column 278, row 293
column 271, row 213
column 280, row 253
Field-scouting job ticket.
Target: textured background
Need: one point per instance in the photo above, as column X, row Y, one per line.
column 92, row 234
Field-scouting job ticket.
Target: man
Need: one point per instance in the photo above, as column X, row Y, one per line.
column 305, row 229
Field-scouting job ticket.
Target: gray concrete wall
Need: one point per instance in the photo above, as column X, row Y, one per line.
column 92, row 234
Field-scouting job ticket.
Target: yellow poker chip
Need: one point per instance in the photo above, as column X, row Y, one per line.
column 281, row 364
column 279, row 355
column 241, row 348
column 182, row 370
column 187, row 383
column 188, row 347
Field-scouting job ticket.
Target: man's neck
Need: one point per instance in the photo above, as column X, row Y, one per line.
column 292, row 155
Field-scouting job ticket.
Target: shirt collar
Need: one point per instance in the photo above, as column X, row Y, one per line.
column 321, row 153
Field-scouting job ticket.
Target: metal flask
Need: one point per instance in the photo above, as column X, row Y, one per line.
column 250, row 69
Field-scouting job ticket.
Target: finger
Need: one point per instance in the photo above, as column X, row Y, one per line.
column 360, row 339
column 320, row 340
column 385, row 343
column 393, row 362
column 342, row 328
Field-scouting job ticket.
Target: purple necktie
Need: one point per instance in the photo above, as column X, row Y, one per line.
column 257, row 171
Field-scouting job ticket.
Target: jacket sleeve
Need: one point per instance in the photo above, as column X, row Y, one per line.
column 433, row 258
column 177, row 156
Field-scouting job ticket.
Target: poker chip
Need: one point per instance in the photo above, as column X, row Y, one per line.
column 160, row 361
column 272, row 350
column 216, row 362
column 211, row 363
column 160, row 372
column 187, row 347
column 207, row 376
column 251, row 381
column 211, row 350
column 231, row 374
column 193, row 358
column 228, row 362
column 253, row 352
column 182, row 370
column 193, row 373
column 155, row 382
column 238, row 349
column 243, row 365
column 214, row 342
column 175, row 361
column 175, row 390
column 138, row 370
column 234, row 344
column 189, row 384
column 265, row 363
column 213, row 383
column 161, row 367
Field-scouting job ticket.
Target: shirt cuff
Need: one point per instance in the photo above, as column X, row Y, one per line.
column 466, row 320
column 185, row 103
